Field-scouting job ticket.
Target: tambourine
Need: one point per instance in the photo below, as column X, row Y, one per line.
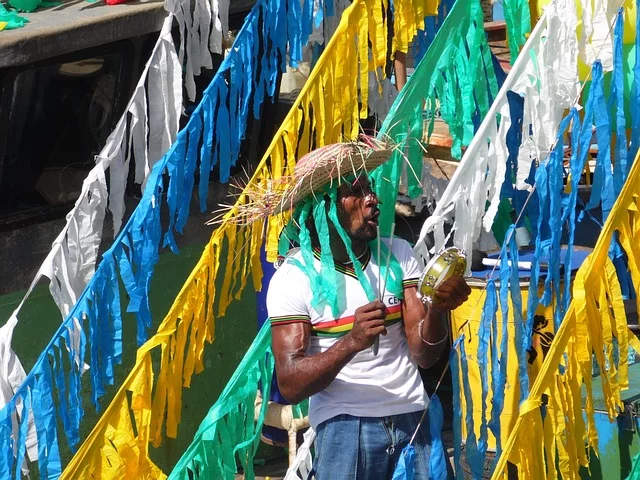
column 448, row 263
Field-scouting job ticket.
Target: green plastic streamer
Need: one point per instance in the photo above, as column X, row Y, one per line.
column 9, row 19
column 322, row 208
column 230, row 433
column 327, row 265
column 456, row 77
column 394, row 279
column 517, row 16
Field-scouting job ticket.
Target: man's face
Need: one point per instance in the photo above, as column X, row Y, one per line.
column 358, row 209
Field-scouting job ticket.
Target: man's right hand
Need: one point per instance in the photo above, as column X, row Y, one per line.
column 367, row 325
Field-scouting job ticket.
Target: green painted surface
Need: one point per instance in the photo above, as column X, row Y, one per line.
column 39, row 319
column 618, row 441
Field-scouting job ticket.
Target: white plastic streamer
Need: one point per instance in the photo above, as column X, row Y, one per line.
column 203, row 30
column 301, row 466
column 546, row 76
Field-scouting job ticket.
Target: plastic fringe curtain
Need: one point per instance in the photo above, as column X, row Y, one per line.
column 327, row 110
column 70, row 264
column 552, row 214
column 546, row 77
column 93, row 326
column 231, row 429
column 456, row 78
column 557, row 434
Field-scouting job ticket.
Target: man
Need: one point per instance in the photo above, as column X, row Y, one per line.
column 326, row 316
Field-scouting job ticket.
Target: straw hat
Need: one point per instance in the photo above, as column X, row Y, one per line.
column 330, row 163
column 313, row 171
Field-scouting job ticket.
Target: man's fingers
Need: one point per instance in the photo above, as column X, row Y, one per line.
column 454, row 288
column 379, row 331
column 378, row 313
column 372, row 324
column 370, row 307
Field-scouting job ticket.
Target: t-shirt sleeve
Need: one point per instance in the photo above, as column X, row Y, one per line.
column 287, row 297
column 411, row 270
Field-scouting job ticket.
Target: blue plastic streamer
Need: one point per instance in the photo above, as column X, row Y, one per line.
column 308, row 20
column 602, row 175
column 454, row 362
column 293, row 19
column 230, row 146
column 194, row 129
column 602, row 186
column 552, row 210
column 518, row 198
column 405, row 468
column 432, row 24
column 555, row 177
column 174, row 192
column 76, row 412
column 498, row 374
column 437, row 457
column 569, row 214
column 500, row 367
column 6, row 432
column 49, row 465
column 59, row 377
column 522, row 342
column 207, row 147
column 484, row 333
column 23, row 430
column 223, row 132
column 475, row 456
column 620, row 167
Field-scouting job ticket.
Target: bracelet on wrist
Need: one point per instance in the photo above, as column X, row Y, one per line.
column 426, row 342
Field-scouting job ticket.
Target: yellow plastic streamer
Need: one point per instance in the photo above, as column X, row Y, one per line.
column 595, row 317
column 408, row 17
column 328, row 110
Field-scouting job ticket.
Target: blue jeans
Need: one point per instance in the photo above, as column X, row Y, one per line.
column 368, row 448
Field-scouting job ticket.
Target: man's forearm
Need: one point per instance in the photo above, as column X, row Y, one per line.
column 433, row 334
column 302, row 376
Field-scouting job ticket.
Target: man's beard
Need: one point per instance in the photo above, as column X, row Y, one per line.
column 364, row 234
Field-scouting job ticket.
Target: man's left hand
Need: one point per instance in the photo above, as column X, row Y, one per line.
column 452, row 293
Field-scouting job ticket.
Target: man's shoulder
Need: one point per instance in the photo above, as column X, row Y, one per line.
column 289, row 268
column 399, row 245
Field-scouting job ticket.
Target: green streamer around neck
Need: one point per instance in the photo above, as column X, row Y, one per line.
column 328, row 274
column 323, row 281
column 307, row 265
column 394, row 277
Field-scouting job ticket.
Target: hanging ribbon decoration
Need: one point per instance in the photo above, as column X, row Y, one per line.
column 586, row 331
column 133, row 255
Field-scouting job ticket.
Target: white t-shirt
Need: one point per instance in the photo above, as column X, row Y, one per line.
column 369, row 385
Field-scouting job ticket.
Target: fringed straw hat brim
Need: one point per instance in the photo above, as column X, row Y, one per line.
column 313, row 172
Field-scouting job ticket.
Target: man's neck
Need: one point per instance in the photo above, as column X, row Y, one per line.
column 339, row 250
